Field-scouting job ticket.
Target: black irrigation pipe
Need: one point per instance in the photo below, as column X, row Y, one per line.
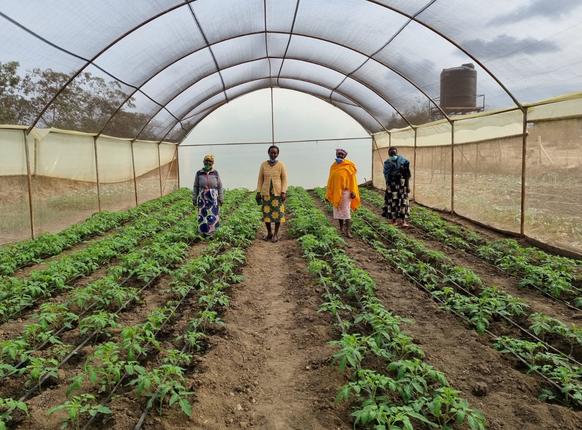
column 469, row 293
column 147, row 408
column 493, row 336
column 82, row 344
column 57, row 333
column 83, row 275
column 427, row 236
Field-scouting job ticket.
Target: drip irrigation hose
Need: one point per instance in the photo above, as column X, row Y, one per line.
column 486, row 331
column 469, row 293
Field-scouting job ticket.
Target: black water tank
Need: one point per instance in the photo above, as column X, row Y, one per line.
column 459, row 88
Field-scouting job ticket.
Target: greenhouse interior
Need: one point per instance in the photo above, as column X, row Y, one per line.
column 136, row 290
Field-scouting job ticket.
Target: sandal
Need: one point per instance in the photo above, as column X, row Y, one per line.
column 268, row 237
column 275, row 239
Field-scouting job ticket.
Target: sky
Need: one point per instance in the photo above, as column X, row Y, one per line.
column 297, row 116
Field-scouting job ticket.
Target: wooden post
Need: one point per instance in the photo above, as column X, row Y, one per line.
column 523, row 166
column 160, row 169
column 452, row 166
column 134, row 176
column 97, row 173
column 29, row 181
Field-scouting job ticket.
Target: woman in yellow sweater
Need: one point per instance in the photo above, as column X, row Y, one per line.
column 272, row 192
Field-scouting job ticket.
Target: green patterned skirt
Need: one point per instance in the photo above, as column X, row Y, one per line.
column 273, row 209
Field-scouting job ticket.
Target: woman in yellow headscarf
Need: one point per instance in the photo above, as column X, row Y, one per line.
column 342, row 190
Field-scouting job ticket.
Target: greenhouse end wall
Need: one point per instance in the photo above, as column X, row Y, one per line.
column 50, row 178
column 486, row 170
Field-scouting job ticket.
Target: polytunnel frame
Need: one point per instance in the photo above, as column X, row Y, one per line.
column 411, row 18
column 189, row 2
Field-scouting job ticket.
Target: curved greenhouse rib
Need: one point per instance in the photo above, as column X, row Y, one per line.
column 455, row 44
column 316, row 38
column 294, row 59
column 270, row 79
column 336, row 104
column 209, row 48
column 188, row 2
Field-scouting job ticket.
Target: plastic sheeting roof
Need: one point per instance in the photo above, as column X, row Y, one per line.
column 175, row 62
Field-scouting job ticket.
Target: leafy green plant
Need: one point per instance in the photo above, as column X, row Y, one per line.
column 100, row 322
column 77, row 409
column 8, row 407
column 163, row 385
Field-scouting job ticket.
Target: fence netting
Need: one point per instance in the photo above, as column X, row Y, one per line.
column 485, row 153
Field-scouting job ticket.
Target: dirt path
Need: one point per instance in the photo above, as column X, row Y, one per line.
column 271, row 369
column 467, row 359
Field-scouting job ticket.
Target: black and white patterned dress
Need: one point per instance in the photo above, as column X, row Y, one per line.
column 396, row 204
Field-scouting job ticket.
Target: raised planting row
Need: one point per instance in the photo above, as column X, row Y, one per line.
column 17, row 294
column 18, row 255
column 390, row 385
column 94, row 307
column 136, row 366
column 486, row 309
column 556, row 276
column 128, row 360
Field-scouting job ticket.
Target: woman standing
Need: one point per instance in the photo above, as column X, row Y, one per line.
column 397, row 175
column 272, row 192
column 208, row 195
column 342, row 190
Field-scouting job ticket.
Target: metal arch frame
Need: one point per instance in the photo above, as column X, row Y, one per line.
column 455, row 44
column 311, row 37
column 336, row 104
column 208, row 46
column 188, row 2
column 390, row 40
column 288, row 40
column 211, row 109
column 267, row 58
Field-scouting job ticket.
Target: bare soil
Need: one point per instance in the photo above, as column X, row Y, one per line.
column 271, row 368
column 467, row 359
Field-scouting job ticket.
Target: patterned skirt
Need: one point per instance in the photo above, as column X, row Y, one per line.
column 396, row 204
column 343, row 211
column 273, row 209
column 208, row 211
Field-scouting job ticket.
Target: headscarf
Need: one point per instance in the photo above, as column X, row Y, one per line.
column 341, row 151
column 209, row 157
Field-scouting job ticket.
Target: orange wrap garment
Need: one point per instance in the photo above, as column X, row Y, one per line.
column 342, row 176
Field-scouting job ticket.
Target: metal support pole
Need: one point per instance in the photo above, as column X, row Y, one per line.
column 134, row 177
column 178, row 164
column 414, row 168
column 452, row 166
column 29, row 180
column 523, row 166
column 160, row 169
column 97, row 173
column 372, row 144
column 272, row 119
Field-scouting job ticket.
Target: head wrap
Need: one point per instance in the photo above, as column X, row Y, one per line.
column 341, row 151
column 209, row 157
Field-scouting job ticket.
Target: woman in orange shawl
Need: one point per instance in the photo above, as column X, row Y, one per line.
column 342, row 190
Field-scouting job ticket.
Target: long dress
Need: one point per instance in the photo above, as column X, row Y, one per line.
column 208, row 211
column 396, row 203
column 207, row 195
